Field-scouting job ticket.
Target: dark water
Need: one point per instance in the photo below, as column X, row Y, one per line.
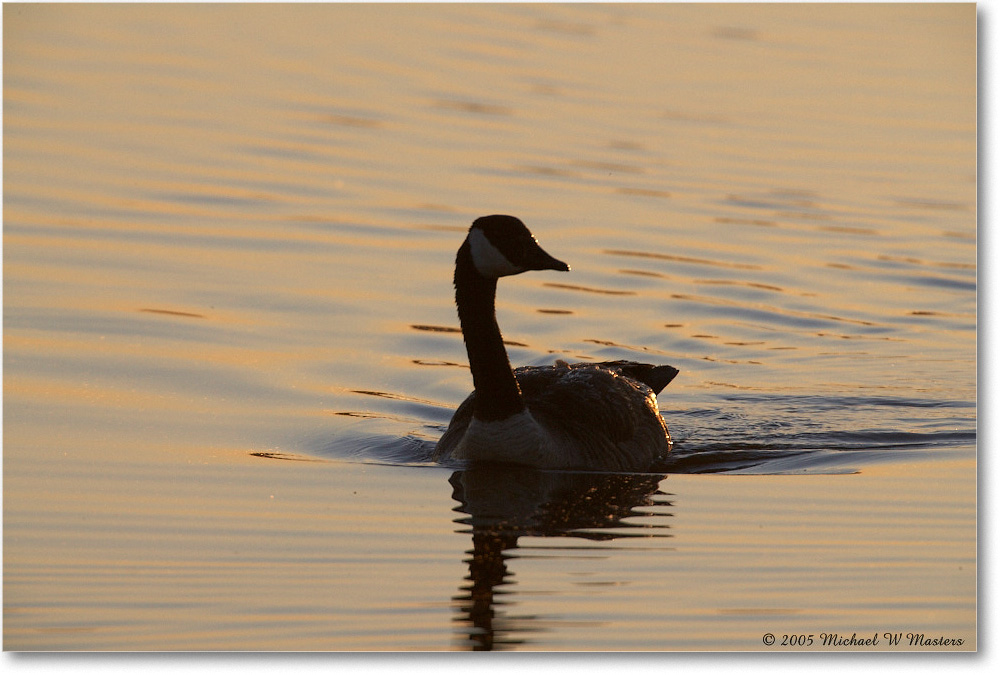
column 743, row 435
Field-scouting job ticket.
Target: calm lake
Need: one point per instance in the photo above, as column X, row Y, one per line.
column 230, row 341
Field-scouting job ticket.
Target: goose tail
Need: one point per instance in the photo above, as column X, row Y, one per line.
column 654, row 377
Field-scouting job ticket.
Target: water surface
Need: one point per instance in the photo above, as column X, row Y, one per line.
column 230, row 342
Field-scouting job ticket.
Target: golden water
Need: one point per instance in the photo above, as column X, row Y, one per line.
column 228, row 239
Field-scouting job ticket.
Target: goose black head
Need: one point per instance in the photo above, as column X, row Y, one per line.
column 502, row 245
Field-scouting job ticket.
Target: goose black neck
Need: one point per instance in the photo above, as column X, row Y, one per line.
column 497, row 393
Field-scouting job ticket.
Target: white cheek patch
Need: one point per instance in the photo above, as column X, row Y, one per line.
column 489, row 262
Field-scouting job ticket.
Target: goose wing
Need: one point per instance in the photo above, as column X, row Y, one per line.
column 607, row 417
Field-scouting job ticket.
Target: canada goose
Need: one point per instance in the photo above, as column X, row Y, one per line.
column 593, row 416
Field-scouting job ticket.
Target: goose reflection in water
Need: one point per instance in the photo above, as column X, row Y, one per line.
column 505, row 502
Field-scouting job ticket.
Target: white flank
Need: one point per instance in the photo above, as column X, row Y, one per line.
column 518, row 439
column 489, row 262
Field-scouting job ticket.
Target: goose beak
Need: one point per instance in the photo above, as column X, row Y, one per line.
column 538, row 259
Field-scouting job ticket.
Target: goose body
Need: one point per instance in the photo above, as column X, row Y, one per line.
column 592, row 416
